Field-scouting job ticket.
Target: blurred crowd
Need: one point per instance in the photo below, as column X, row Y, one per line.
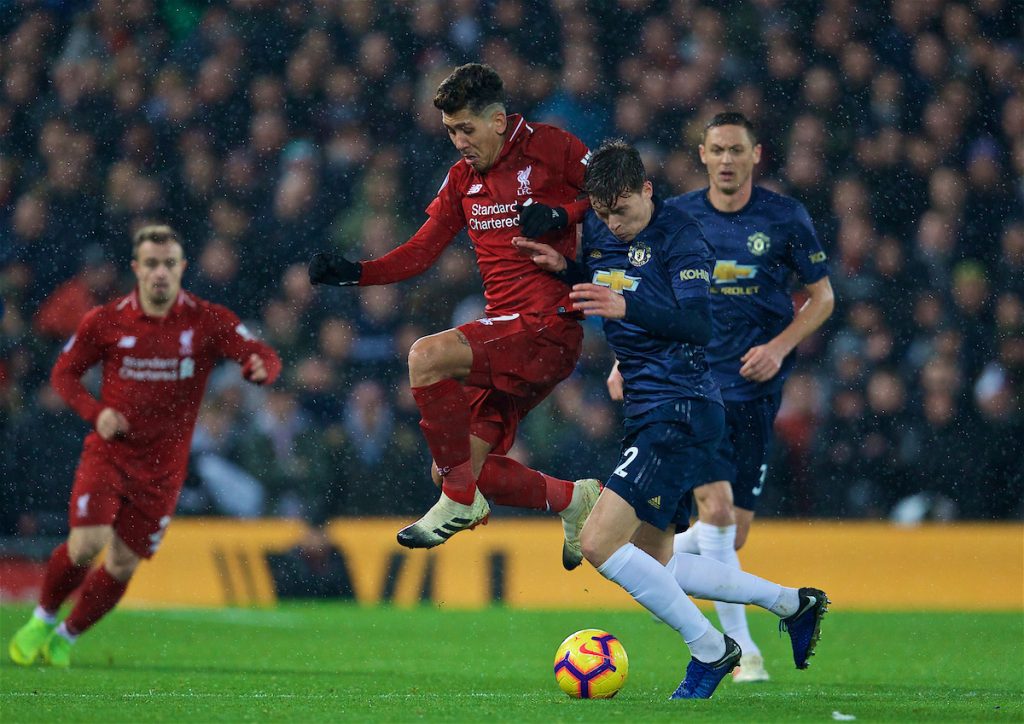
column 265, row 130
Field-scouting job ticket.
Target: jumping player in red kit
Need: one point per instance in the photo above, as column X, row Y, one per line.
column 157, row 346
column 473, row 384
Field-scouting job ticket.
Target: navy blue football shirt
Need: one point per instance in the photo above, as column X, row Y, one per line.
column 667, row 263
column 757, row 249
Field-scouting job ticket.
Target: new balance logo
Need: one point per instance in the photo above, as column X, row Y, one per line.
column 475, row 189
column 655, row 502
column 126, row 342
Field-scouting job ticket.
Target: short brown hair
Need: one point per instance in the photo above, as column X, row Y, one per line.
column 157, row 233
column 474, row 86
column 732, row 118
column 614, row 169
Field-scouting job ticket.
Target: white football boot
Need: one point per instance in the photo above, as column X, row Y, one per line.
column 444, row 520
column 751, row 670
column 584, row 497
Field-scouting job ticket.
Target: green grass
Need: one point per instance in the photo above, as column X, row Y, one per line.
column 333, row 662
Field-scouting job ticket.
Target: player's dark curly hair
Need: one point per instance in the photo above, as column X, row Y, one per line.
column 732, row 118
column 474, row 86
column 614, row 169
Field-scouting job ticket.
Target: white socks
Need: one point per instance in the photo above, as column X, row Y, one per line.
column 45, row 616
column 719, row 544
column 654, row 587
column 686, row 542
column 702, row 577
column 62, row 630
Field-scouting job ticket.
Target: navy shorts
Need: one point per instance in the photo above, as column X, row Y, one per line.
column 742, row 454
column 666, row 453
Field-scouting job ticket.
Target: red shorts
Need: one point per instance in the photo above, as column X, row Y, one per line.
column 105, row 494
column 517, row 360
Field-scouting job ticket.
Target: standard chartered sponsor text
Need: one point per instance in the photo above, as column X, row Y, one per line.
column 150, row 369
column 501, row 222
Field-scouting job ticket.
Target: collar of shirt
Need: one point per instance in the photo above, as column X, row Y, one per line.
column 520, row 130
column 133, row 303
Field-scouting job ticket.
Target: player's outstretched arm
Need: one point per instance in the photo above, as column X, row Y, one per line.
column 543, row 255
column 597, row 301
column 763, row 362
column 328, row 267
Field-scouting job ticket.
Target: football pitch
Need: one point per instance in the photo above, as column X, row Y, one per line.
column 340, row 662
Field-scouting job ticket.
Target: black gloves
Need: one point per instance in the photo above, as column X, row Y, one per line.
column 326, row 267
column 538, row 219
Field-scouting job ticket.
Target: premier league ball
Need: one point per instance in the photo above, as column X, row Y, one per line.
column 591, row 664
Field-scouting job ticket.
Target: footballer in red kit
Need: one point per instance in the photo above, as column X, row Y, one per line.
column 157, row 347
column 474, row 383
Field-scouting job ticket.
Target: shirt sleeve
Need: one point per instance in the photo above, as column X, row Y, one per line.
column 233, row 340
column 80, row 353
column 689, row 261
column 446, row 208
column 411, row 258
column 577, row 156
column 806, row 257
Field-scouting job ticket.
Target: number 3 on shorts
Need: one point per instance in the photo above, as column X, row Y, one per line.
column 760, row 483
column 628, row 456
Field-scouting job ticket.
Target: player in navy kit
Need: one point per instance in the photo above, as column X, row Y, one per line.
column 760, row 240
column 646, row 270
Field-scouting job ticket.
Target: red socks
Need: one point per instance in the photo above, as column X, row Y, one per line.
column 444, row 410
column 508, row 482
column 100, row 593
column 445, row 415
column 62, row 577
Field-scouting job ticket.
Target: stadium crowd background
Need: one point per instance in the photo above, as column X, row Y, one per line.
column 264, row 131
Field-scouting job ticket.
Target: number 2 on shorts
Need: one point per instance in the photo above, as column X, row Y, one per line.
column 629, row 454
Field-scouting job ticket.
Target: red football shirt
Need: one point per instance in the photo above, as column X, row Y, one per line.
column 538, row 162
column 154, row 373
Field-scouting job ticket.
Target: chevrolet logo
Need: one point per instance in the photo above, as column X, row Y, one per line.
column 728, row 271
column 617, row 280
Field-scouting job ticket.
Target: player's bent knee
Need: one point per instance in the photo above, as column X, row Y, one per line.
column 718, row 516
column 714, row 504
column 121, row 561
column 85, row 545
column 594, row 549
column 426, row 361
column 83, row 553
column 121, row 571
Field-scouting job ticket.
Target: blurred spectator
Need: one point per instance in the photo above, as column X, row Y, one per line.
column 289, row 457
column 265, row 130
column 58, row 316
